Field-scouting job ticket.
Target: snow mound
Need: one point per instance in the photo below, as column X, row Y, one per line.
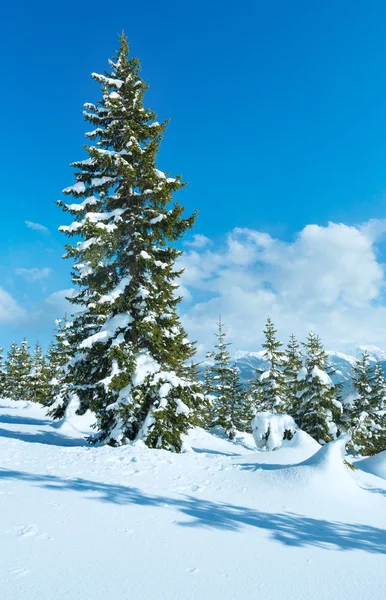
column 376, row 465
column 330, row 456
column 270, row 430
column 325, row 471
column 74, row 425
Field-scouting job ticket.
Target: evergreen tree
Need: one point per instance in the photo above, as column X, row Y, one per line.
column 58, row 358
column 2, row 373
column 320, row 410
column 292, row 365
column 366, row 415
column 223, row 384
column 129, row 350
column 207, row 408
column 270, row 387
column 39, row 376
column 18, row 377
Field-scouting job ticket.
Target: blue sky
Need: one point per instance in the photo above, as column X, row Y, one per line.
column 278, row 123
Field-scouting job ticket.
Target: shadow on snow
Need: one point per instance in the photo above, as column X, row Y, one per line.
column 16, row 420
column 287, row 528
column 51, row 438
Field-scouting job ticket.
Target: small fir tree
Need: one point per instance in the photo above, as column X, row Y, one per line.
column 39, row 376
column 270, row 387
column 223, row 384
column 58, row 358
column 207, row 414
column 18, row 376
column 320, row 410
column 366, row 414
column 292, row 365
column 2, row 373
column 129, row 350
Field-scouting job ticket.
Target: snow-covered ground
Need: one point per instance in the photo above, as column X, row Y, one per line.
column 220, row 521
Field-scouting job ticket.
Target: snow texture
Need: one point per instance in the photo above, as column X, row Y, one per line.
column 214, row 523
column 374, row 464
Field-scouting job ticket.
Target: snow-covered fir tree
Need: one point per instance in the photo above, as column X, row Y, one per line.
column 39, row 376
column 366, row 413
column 2, row 373
column 58, row 357
column 129, row 349
column 292, row 365
column 222, row 384
column 269, row 388
column 18, row 372
column 320, row 410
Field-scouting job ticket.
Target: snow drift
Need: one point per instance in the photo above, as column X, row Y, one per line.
column 376, row 465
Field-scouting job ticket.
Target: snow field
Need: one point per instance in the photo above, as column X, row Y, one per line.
column 219, row 521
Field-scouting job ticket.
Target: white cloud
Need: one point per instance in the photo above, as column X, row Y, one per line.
column 34, row 274
column 199, row 241
column 328, row 279
column 36, row 226
column 10, row 310
column 58, row 303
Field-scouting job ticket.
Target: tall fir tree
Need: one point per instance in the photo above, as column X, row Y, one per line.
column 269, row 389
column 129, row 349
column 292, row 365
column 39, row 376
column 320, row 410
column 366, row 414
column 18, row 372
column 222, row 384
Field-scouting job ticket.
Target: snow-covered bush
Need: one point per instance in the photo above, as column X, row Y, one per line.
column 269, row 430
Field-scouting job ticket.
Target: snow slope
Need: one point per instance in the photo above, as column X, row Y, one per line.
column 374, row 464
column 218, row 522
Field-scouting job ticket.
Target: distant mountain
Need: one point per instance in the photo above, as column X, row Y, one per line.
column 340, row 363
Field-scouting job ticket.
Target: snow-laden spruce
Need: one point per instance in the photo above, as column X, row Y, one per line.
column 319, row 410
column 39, row 376
column 229, row 407
column 2, row 372
column 58, row 357
column 17, row 385
column 292, row 365
column 268, row 390
column 366, row 413
column 128, row 347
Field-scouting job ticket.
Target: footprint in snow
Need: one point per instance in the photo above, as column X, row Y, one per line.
column 19, row 571
column 197, row 488
column 31, row 531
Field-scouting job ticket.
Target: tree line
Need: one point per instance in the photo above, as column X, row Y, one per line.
column 298, row 382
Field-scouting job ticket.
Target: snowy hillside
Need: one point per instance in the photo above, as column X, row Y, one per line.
column 220, row 521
